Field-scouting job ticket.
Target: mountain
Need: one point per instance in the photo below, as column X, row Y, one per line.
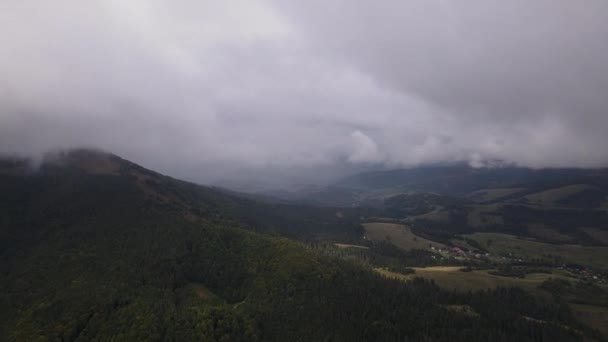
column 550, row 205
column 96, row 248
column 461, row 179
column 370, row 188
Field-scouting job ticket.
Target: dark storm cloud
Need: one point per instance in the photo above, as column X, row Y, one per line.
column 205, row 90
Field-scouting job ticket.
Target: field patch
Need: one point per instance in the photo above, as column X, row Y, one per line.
column 344, row 245
column 439, row 215
column 483, row 215
column 597, row 234
column 397, row 234
column 452, row 278
column 201, row 291
column 550, row 197
column 545, row 233
column 487, row 195
column 510, row 245
column 593, row 316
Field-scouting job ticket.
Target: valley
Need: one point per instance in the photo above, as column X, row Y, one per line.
column 526, row 235
column 303, row 171
column 95, row 247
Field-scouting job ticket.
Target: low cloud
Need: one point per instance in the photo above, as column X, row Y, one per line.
column 365, row 149
column 207, row 90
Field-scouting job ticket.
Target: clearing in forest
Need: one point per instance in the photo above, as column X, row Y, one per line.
column 511, row 245
column 345, row 245
column 397, row 234
column 452, row 278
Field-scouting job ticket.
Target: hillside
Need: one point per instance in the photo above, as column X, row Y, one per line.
column 521, row 227
column 371, row 188
column 562, row 206
column 94, row 247
column 572, row 214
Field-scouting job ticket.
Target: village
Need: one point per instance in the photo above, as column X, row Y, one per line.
column 573, row 270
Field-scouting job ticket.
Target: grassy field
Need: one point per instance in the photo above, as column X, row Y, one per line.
column 492, row 194
column 451, row 278
column 597, row 234
column 344, row 245
column 399, row 235
column 498, row 243
column 549, row 197
column 462, row 244
column 547, row 234
column 201, row 291
column 462, row 309
column 480, row 215
column 437, row 215
column 594, row 316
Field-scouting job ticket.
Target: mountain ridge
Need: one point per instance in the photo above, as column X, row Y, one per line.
column 91, row 252
column 369, row 187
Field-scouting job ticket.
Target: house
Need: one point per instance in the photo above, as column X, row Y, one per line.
column 456, row 251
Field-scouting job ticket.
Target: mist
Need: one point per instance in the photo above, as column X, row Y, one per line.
column 277, row 92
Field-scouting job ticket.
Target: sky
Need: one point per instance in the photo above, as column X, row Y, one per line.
column 261, row 90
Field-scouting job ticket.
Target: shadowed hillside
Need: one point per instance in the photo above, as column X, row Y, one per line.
column 94, row 247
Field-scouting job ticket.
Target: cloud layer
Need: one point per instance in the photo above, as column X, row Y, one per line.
column 207, row 89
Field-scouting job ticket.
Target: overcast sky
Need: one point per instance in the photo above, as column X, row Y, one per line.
column 211, row 89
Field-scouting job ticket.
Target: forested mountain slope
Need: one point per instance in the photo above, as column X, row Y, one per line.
column 95, row 248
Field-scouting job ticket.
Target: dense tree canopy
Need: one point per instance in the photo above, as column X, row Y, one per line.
column 88, row 257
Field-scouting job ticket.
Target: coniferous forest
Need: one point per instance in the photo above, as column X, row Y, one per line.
column 136, row 256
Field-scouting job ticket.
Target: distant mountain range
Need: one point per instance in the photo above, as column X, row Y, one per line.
column 371, row 188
